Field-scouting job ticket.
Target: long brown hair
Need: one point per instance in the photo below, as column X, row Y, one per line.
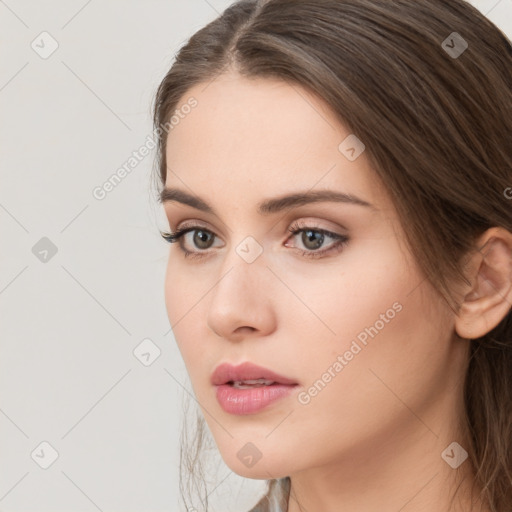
column 436, row 126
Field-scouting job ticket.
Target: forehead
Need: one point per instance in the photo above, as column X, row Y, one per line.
column 261, row 137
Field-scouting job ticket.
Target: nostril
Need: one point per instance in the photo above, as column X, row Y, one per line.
column 243, row 328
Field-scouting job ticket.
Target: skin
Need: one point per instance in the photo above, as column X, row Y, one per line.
column 372, row 438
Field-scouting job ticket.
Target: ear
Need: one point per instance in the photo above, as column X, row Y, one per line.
column 489, row 298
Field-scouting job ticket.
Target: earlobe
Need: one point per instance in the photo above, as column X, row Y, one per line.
column 489, row 297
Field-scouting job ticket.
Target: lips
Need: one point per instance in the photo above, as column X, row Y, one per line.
column 247, row 374
column 248, row 388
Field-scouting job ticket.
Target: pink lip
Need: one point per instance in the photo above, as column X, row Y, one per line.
column 248, row 401
column 226, row 372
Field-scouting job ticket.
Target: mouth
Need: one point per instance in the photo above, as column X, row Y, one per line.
column 248, row 388
column 248, row 376
column 249, row 384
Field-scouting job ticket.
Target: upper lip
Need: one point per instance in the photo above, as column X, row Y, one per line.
column 226, row 372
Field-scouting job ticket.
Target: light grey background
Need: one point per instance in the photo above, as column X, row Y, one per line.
column 70, row 323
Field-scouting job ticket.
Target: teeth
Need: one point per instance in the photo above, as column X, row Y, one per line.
column 246, row 384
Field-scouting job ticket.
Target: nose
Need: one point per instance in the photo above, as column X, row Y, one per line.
column 241, row 302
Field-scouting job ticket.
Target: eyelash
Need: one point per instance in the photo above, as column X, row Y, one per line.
column 296, row 228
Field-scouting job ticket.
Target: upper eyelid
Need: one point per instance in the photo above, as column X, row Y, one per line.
column 194, row 224
column 300, row 223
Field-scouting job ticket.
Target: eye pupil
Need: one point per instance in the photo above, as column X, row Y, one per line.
column 312, row 236
column 201, row 236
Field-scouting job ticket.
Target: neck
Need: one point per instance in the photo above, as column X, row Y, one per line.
column 400, row 471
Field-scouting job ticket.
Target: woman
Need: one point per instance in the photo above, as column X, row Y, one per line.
column 337, row 178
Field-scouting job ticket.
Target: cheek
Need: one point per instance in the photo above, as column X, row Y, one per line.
column 185, row 289
column 365, row 287
column 175, row 290
column 390, row 335
column 183, row 303
column 394, row 350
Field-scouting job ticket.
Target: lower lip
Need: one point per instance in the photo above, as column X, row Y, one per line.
column 249, row 401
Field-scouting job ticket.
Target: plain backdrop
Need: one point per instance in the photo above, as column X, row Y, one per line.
column 91, row 380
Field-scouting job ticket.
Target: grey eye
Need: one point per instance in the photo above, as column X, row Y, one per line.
column 312, row 239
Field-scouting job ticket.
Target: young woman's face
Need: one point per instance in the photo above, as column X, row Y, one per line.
column 350, row 320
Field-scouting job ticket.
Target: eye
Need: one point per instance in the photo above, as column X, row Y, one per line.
column 201, row 239
column 313, row 238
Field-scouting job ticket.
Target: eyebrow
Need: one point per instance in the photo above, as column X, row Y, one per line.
column 268, row 206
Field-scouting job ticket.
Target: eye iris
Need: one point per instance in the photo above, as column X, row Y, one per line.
column 312, row 236
column 201, row 237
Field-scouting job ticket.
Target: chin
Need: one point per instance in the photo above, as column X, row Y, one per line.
column 257, row 469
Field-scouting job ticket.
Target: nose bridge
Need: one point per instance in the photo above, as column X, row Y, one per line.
column 242, row 273
column 241, row 296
